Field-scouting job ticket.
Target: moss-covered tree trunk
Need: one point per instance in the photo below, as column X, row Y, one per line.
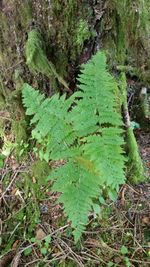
column 71, row 31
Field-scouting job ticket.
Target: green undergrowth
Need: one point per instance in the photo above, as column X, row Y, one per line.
column 107, row 238
column 13, row 125
column 107, row 235
column 14, row 137
column 23, row 214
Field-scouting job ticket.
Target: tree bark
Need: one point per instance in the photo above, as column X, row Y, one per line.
column 72, row 30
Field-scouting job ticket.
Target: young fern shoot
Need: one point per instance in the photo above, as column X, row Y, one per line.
column 86, row 131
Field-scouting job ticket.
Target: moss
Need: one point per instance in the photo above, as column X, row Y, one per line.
column 135, row 170
column 70, row 28
column 4, row 36
column 26, row 11
column 64, row 26
column 37, row 59
column 40, row 171
column 16, row 111
column 19, row 130
column 2, row 95
column 82, row 33
column 144, row 103
column 128, row 33
column 135, row 164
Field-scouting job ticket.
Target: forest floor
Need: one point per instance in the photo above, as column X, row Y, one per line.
column 35, row 233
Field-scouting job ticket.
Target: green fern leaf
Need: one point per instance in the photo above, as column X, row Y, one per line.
column 78, row 185
column 86, row 131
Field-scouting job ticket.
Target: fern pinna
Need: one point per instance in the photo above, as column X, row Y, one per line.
column 86, row 131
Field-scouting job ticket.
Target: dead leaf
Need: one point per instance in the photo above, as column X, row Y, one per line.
column 15, row 166
column 33, row 180
column 40, row 234
column 117, row 259
column 148, row 164
column 15, row 244
column 146, row 220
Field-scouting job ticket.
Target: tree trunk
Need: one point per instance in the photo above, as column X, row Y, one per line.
column 72, row 30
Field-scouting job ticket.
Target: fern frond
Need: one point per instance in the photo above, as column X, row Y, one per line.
column 99, row 89
column 86, row 131
column 52, row 126
column 75, row 183
column 31, row 99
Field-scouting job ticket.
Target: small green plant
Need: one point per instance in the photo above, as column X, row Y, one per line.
column 7, row 147
column 124, row 251
column 82, row 33
column 22, row 147
column 42, row 244
column 85, row 131
column 28, row 251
